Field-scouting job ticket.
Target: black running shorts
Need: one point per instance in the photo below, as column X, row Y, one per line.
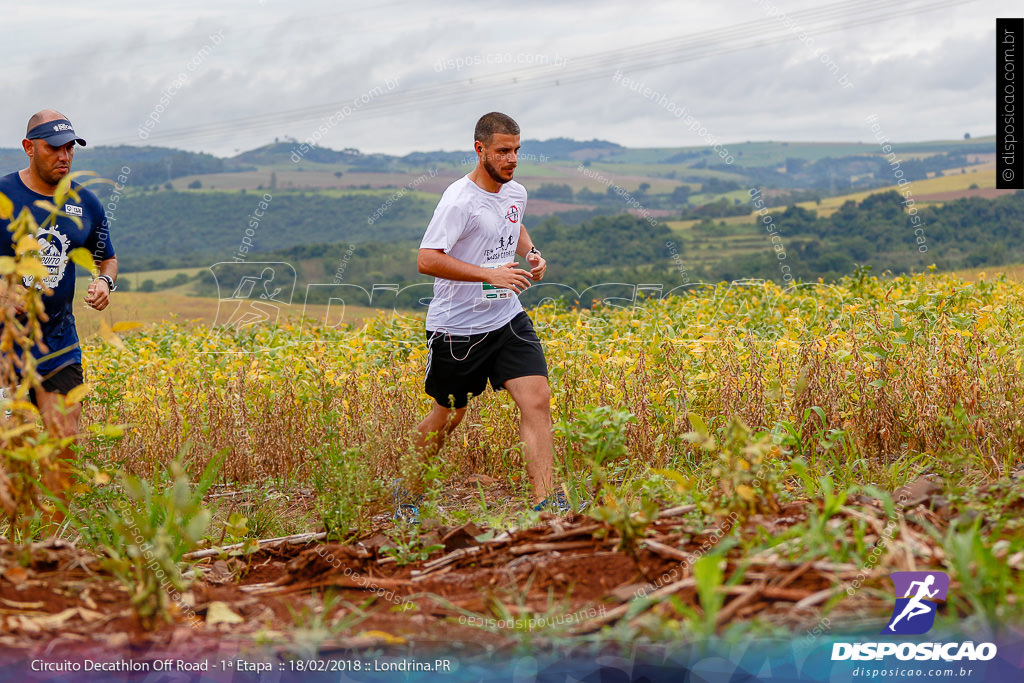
column 60, row 382
column 459, row 366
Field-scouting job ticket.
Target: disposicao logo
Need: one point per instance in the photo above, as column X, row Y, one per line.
column 917, row 598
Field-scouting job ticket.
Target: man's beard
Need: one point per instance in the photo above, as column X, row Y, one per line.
column 54, row 177
column 51, row 176
column 493, row 172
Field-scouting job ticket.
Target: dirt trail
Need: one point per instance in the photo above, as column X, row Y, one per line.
column 564, row 579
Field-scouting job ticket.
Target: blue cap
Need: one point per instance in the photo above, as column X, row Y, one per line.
column 58, row 133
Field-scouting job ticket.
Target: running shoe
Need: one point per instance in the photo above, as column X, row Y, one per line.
column 407, row 505
column 557, row 503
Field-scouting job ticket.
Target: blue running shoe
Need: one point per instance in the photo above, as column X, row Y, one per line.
column 557, row 503
column 406, row 504
column 407, row 512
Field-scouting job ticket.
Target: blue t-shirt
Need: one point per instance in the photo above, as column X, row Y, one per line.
column 59, row 333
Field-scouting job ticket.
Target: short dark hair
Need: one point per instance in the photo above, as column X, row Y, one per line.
column 494, row 122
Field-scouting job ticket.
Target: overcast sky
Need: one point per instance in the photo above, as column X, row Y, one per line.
column 397, row 76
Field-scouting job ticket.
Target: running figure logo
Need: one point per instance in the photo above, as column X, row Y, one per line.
column 917, row 597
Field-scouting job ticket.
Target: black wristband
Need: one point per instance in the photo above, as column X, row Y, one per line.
column 110, row 282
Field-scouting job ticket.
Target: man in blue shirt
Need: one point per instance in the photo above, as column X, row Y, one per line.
column 50, row 145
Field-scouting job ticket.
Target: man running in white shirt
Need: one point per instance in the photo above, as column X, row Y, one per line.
column 476, row 328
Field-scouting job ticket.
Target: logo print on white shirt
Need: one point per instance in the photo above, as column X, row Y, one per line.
column 53, row 253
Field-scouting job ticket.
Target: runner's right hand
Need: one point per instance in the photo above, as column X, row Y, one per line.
column 15, row 297
column 508, row 276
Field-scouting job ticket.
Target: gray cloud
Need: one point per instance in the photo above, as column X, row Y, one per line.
column 930, row 75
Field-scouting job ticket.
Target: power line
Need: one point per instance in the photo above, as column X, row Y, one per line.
column 838, row 16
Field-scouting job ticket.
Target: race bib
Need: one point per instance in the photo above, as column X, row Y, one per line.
column 491, row 293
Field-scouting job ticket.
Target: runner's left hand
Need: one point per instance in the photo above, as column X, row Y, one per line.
column 98, row 295
column 538, row 266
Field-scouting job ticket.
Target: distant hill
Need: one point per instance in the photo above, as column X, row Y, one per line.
column 876, row 233
column 575, row 150
column 295, row 152
column 171, row 229
column 185, row 208
column 879, row 232
column 830, row 166
column 12, row 160
column 149, row 165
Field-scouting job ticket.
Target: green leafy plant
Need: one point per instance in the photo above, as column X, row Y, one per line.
column 237, row 531
column 345, row 487
column 408, row 545
column 710, row 580
column 707, row 572
column 628, row 522
column 315, row 626
column 599, row 434
column 989, row 587
column 157, row 525
column 743, row 467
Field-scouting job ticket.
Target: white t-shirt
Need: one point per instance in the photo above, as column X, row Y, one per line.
column 482, row 228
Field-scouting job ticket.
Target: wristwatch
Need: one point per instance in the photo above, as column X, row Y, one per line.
column 110, row 282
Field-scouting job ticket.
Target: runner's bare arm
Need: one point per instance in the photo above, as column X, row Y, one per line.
column 436, row 263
